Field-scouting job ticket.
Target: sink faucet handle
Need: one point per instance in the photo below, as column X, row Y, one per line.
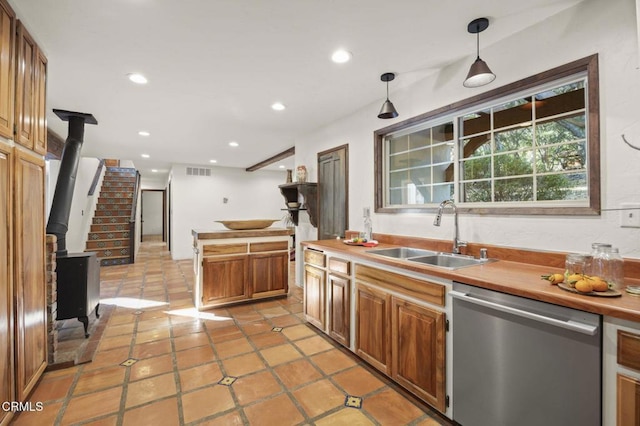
column 483, row 253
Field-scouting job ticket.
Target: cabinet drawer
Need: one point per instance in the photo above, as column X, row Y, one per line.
column 214, row 249
column 629, row 349
column 340, row 266
column 314, row 258
column 268, row 246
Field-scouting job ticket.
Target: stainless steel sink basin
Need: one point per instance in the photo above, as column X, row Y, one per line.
column 402, row 252
column 450, row 261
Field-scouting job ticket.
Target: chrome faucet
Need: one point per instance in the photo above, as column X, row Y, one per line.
column 456, row 237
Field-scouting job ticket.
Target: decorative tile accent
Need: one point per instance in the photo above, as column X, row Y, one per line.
column 129, row 362
column 353, row 402
column 227, row 381
column 276, row 329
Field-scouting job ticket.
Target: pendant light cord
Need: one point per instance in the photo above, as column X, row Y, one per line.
column 478, row 41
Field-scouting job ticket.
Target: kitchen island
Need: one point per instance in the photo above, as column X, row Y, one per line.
column 239, row 266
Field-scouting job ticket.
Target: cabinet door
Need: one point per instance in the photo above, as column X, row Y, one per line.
column 224, row 279
column 29, row 275
column 7, row 66
column 6, row 281
column 269, row 274
column 628, row 412
column 373, row 332
column 25, row 88
column 418, row 348
column 339, row 299
column 314, row 296
column 40, row 107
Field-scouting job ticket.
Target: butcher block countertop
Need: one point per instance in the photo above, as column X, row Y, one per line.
column 507, row 276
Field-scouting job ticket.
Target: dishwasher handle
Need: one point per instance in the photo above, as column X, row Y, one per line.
column 587, row 329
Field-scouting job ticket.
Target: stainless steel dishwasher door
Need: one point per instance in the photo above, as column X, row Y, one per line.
column 522, row 362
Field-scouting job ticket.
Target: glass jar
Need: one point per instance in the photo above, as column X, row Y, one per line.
column 575, row 263
column 615, row 272
column 599, row 260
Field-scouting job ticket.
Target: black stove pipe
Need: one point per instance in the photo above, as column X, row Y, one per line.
column 58, row 223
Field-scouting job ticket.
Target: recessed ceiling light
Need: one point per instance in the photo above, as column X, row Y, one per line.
column 341, row 56
column 278, row 106
column 137, row 78
column 154, row 170
column 145, row 156
column 144, row 133
column 233, row 144
column 213, row 161
column 281, row 166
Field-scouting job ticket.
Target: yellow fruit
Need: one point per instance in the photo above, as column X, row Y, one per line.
column 553, row 278
column 583, row 286
column 574, row 278
column 598, row 284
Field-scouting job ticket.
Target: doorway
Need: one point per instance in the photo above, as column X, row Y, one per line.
column 333, row 192
column 153, row 213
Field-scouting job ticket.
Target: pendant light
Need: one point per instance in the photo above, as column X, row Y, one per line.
column 479, row 73
column 387, row 110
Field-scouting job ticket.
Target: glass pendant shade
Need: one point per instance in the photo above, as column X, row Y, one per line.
column 387, row 110
column 479, row 74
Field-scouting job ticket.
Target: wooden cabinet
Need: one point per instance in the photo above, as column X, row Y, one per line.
column 6, row 281
column 7, row 68
column 224, row 279
column 373, row 334
column 339, row 323
column 418, row 351
column 30, row 106
column 269, row 273
column 29, row 275
column 628, row 409
column 314, row 296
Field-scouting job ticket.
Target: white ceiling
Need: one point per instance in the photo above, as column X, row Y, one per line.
column 215, row 67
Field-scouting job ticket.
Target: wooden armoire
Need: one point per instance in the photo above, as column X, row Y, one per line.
column 23, row 145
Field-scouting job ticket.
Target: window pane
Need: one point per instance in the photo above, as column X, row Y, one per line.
column 476, row 146
column 514, row 139
column 478, row 168
column 569, row 97
column 515, row 164
column 399, row 161
column 442, row 133
column 519, row 189
column 565, row 129
column 441, row 193
column 420, row 176
column 420, row 139
column 556, row 158
column 477, row 122
column 398, row 179
column 443, row 153
column 443, row 173
column 562, row 187
column 474, row 192
column 514, row 112
column 398, row 144
column 410, row 194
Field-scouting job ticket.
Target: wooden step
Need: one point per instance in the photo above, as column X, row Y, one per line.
column 99, row 220
column 113, row 261
column 108, row 178
column 113, row 212
column 114, row 206
column 110, row 227
column 117, row 185
column 111, row 252
column 108, row 235
column 115, row 200
column 114, row 244
column 116, row 194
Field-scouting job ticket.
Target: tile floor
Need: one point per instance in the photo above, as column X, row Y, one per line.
column 160, row 363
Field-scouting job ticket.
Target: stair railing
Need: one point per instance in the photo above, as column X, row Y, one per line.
column 96, row 178
column 132, row 220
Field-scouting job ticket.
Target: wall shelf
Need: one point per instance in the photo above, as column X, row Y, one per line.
column 309, row 192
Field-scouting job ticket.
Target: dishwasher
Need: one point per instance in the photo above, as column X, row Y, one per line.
column 518, row 361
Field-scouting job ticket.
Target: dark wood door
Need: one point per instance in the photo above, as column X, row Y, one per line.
column 7, row 67
column 418, row 350
column 6, row 282
column 373, row 334
column 224, row 278
column 333, row 192
column 269, row 273
column 314, row 296
column 339, row 313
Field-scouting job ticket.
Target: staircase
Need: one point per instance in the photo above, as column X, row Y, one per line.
column 109, row 234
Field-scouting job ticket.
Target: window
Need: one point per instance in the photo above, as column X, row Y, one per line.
column 529, row 148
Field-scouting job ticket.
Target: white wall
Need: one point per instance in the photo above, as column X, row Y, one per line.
column 152, row 207
column 198, row 201
column 604, row 27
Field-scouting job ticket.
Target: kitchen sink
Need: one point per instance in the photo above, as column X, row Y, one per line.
column 450, row 260
column 402, row 252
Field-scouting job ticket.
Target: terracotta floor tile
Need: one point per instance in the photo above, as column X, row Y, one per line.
column 45, row 417
column 107, row 421
column 243, row 364
column 389, row 407
column 256, row 327
column 285, row 321
column 164, row 412
column 118, row 330
column 224, row 334
column 297, row 373
column 148, row 390
column 313, row 345
column 51, row 389
column 432, row 421
column 190, row 341
column 103, row 378
column 195, row 356
column 92, row 405
column 150, row 315
column 153, row 323
column 345, row 417
column 268, row 339
column 151, row 349
column 279, row 411
column 276, row 311
column 197, row 377
column 108, row 358
column 298, row 332
column 358, row 381
column 186, row 328
column 247, row 316
column 63, row 372
column 332, row 361
column 107, row 343
column 280, row 354
column 256, row 386
column 233, row 418
column 319, row 397
column 206, row 402
column 153, row 335
column 233, row 348
column 295, row 308
column 119, row 319
column 150, row 367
